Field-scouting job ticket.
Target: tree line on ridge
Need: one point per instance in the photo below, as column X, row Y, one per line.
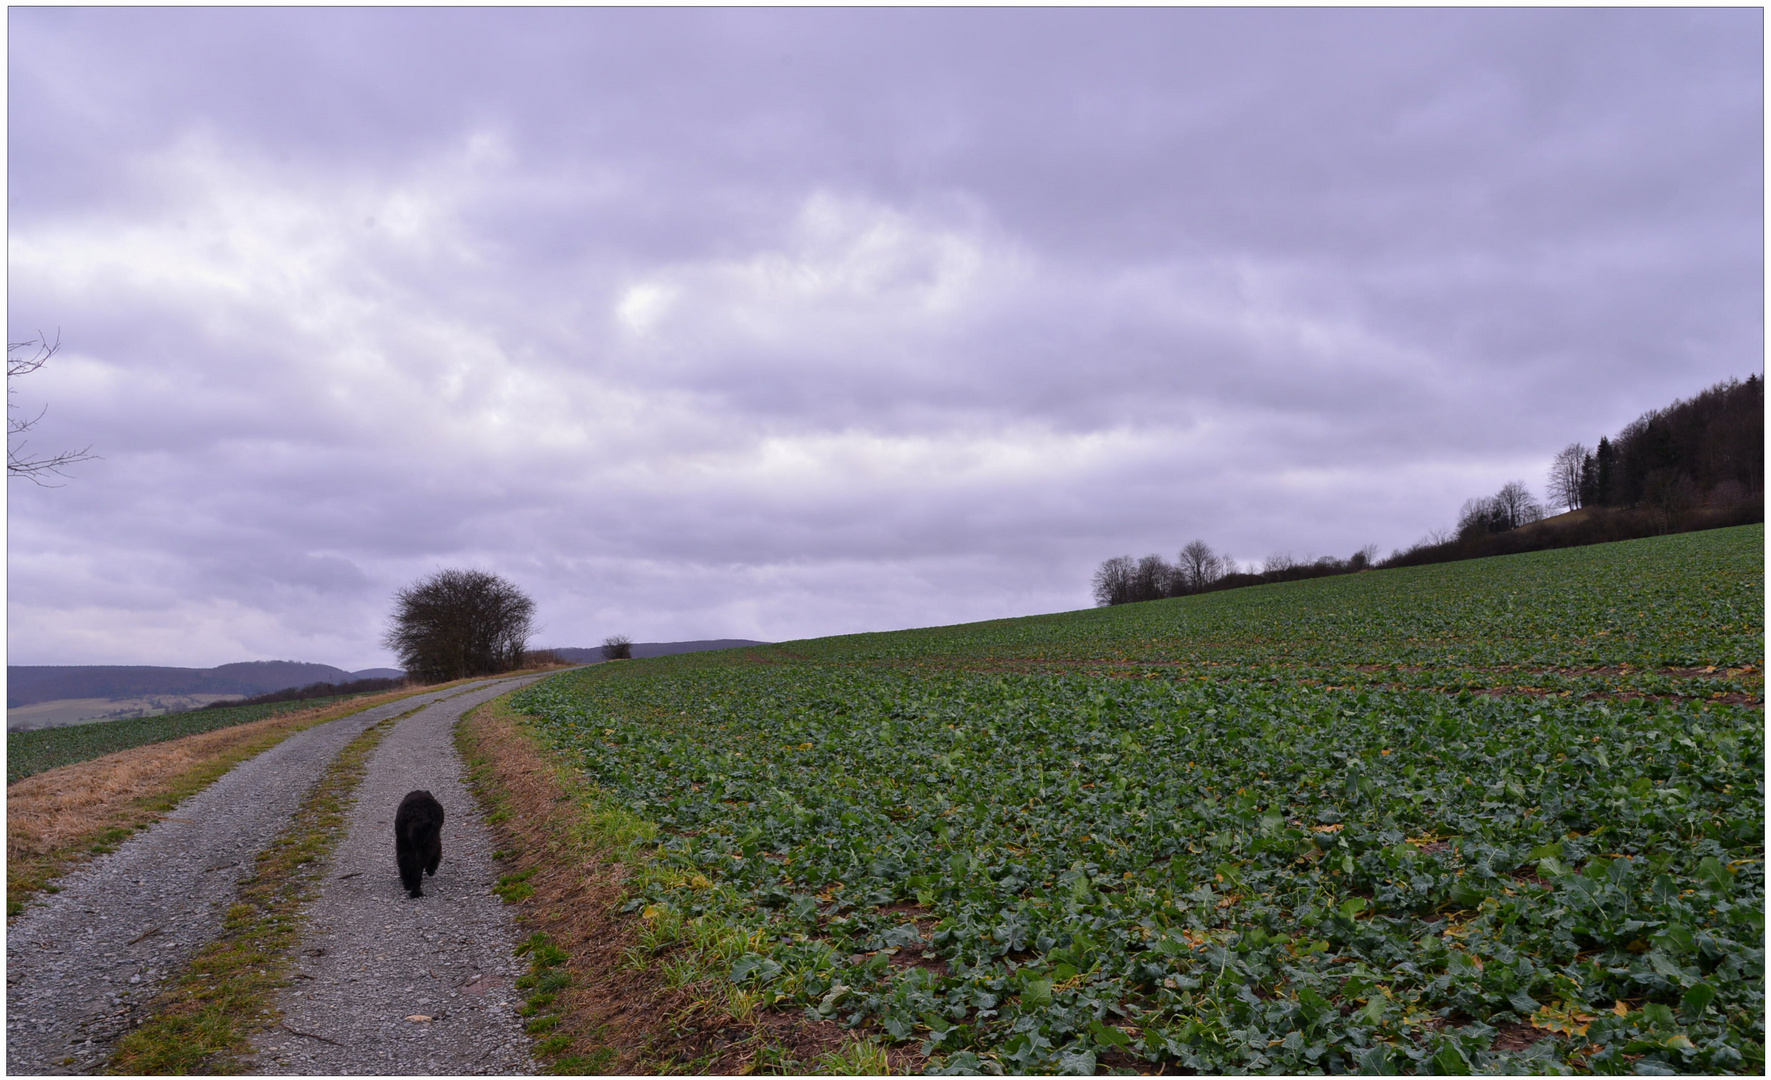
column 1696, row 464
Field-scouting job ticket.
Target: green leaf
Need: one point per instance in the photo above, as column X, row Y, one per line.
column 1450, row 1061
column 1697, row 999
column 1314, row 1004
column 1375, row 1061
column 1665, row 967
column 832, row 999
column 1465, row 896
column 755, row 965
column 1711, row 870
column 1107, row 1036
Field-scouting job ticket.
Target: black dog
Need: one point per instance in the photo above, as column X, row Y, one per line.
column 418, row 839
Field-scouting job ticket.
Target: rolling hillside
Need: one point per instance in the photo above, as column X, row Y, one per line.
column 1504, row 815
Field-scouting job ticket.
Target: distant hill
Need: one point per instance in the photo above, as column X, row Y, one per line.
column 644, row 649
column 27, row 685
column 31, row 685
column 379, row 673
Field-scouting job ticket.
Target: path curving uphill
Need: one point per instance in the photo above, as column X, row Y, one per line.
column 82, row 964
column 388, row 984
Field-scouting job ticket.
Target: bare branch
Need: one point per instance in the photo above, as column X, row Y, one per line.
column 22, row 358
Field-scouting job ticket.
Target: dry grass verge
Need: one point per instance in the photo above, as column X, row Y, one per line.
column 56, row 820
column 606, row 998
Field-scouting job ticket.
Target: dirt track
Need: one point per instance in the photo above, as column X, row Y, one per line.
column 373, row 958
column 82, row 964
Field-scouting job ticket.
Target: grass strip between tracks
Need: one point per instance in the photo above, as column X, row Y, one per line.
column 204, row 1022
column 610, row 991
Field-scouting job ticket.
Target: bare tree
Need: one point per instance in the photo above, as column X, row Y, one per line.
column 1113, row 580
column 459, row 623
column 1516, row 503
column 22, row 358
column 1566, row 472
column 618, row 647
column 1479, row 517
column 1278, row 562
column 1199, row 566
column 1363, row 558
column 1508, row 508
column 1153, row 579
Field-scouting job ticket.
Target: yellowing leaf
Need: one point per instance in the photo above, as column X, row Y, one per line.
column 1557, row 1017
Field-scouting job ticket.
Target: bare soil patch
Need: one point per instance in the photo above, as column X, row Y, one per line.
column 1515, row 1036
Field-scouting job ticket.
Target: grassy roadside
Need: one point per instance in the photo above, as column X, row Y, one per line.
column 204, row 1021
column 58, row 819
column 613, row 990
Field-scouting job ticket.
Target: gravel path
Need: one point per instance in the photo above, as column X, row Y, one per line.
column 388, row 984
column 81, row 965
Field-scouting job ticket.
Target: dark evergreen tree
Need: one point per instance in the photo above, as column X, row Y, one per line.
column 1589, row 480
column 1605, row 473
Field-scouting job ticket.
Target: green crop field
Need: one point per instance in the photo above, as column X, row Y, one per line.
column 1493, row 816
column 32, row 752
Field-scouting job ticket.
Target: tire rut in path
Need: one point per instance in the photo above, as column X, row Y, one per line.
column 82, row 963
column 372, row 958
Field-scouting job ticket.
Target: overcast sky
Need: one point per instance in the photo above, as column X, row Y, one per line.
column 783, row 323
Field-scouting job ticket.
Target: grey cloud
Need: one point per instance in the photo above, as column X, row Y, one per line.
column 766, row 323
